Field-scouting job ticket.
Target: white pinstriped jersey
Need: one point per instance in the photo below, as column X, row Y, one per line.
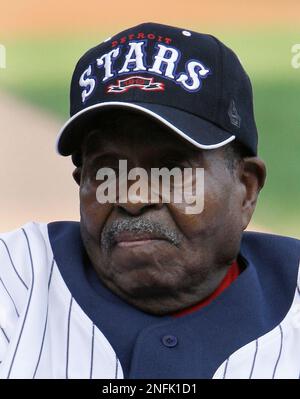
column 273, row 355
column 44, row 333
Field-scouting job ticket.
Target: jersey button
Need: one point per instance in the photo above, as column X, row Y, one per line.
column 169, row 340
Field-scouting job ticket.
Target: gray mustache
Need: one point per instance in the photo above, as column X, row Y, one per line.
column 141, row 225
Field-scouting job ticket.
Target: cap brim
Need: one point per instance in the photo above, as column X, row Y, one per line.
column 199, row 132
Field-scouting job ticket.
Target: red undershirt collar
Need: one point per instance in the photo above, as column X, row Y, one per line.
column 231, row 275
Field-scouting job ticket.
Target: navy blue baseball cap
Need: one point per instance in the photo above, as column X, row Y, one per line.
column 190, row 82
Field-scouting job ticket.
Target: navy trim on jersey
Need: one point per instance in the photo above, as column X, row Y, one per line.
column 254, row 304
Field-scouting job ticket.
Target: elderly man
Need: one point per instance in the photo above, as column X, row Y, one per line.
column 144, row 288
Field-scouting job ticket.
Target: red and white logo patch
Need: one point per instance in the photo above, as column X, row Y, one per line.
column 138, row 82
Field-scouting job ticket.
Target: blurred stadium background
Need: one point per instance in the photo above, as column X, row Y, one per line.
column 44, row 40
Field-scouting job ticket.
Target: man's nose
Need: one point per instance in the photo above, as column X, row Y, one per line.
column 135, row 205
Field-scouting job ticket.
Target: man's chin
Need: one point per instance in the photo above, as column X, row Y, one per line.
column 156, row 299
column 146, row 281
column 141, row 255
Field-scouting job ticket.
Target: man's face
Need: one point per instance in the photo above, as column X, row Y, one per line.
column 155, row 255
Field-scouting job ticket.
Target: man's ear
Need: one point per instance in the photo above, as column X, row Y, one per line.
column 252, row 176
column 77, row 175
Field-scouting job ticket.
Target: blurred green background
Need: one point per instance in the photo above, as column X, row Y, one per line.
column 40, row 69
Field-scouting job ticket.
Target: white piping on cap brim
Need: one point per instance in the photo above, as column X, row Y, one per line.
column 147, row 111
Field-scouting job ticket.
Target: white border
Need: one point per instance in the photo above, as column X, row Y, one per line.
column 146, row 111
